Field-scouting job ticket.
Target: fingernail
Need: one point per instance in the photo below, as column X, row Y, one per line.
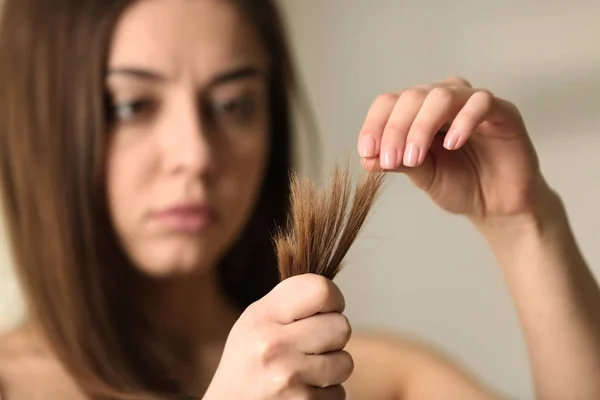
column 367, row 147
column 411, row 155
column 451, row 141
column 390, row 158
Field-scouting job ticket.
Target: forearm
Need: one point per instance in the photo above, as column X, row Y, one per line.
column 557, row 299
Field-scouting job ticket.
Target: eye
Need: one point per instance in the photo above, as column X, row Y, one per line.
column 240, row 109
column 127, row 111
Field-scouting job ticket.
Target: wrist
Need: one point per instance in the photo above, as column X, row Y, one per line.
column 542, row 237
column 547, row 222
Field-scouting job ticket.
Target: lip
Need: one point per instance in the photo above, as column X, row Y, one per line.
column 189, row 218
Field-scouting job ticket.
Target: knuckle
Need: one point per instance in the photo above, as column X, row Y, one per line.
column 335, row 369
column 283, row 378
column 513, row 108
column 414, row 94
column 346, row 366
column 346, row 328
column 252, row 311
column 459, row 81
column 481, row 102
column 485, row 96
column 252, row 314
column 297, row 284
column 386, row 98
column 269, row 348
column 321, row 287
column 443, row 94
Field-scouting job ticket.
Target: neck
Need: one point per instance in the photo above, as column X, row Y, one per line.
column 194, row 315
column 191, row 310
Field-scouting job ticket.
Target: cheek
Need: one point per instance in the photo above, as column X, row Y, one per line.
column 128, row 173
column 246, row 163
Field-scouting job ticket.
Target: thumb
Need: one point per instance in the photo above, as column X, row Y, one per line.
column 422, row 176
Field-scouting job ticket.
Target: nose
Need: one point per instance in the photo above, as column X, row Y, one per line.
column 185, row 145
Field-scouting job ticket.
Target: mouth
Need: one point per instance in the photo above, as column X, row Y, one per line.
column 188, row 218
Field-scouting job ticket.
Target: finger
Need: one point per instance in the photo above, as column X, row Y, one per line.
column 321, row 333
column 379, row 118
column 394, row 136
column 370, row 134
column 422, row 176
column 441, row 104
column 324, row 370
column 329, row 393
column 474, row 113
column 303, row 296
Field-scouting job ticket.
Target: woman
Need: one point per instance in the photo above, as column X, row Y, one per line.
column 145, row 150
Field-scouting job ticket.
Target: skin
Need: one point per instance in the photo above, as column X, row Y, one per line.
column 163, row 153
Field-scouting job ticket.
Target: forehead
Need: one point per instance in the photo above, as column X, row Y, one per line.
column 185, row 37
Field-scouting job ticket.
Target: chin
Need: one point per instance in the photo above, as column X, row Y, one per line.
column 177, row 259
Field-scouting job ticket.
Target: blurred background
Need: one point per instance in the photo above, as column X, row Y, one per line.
column 415, row 269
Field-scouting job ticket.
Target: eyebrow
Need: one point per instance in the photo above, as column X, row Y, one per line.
column 222, row 78
column 139, row 73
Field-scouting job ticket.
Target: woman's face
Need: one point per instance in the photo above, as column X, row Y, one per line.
column 190, row 139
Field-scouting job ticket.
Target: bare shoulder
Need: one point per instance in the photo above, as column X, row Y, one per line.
column 394, row 367
column 28, row 371
column 11, row 346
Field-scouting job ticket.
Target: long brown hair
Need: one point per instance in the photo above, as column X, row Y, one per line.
column 53, row 129
column 324, row 223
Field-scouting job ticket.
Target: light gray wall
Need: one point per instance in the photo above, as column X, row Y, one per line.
column 416, row 269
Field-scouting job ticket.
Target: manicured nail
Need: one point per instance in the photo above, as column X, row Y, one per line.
column 451, row 141
column 367, row 147
column 390, row 158
column 411, row 155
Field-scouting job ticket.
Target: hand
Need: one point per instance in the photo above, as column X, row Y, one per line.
column 288, row 345
column 485, row 166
